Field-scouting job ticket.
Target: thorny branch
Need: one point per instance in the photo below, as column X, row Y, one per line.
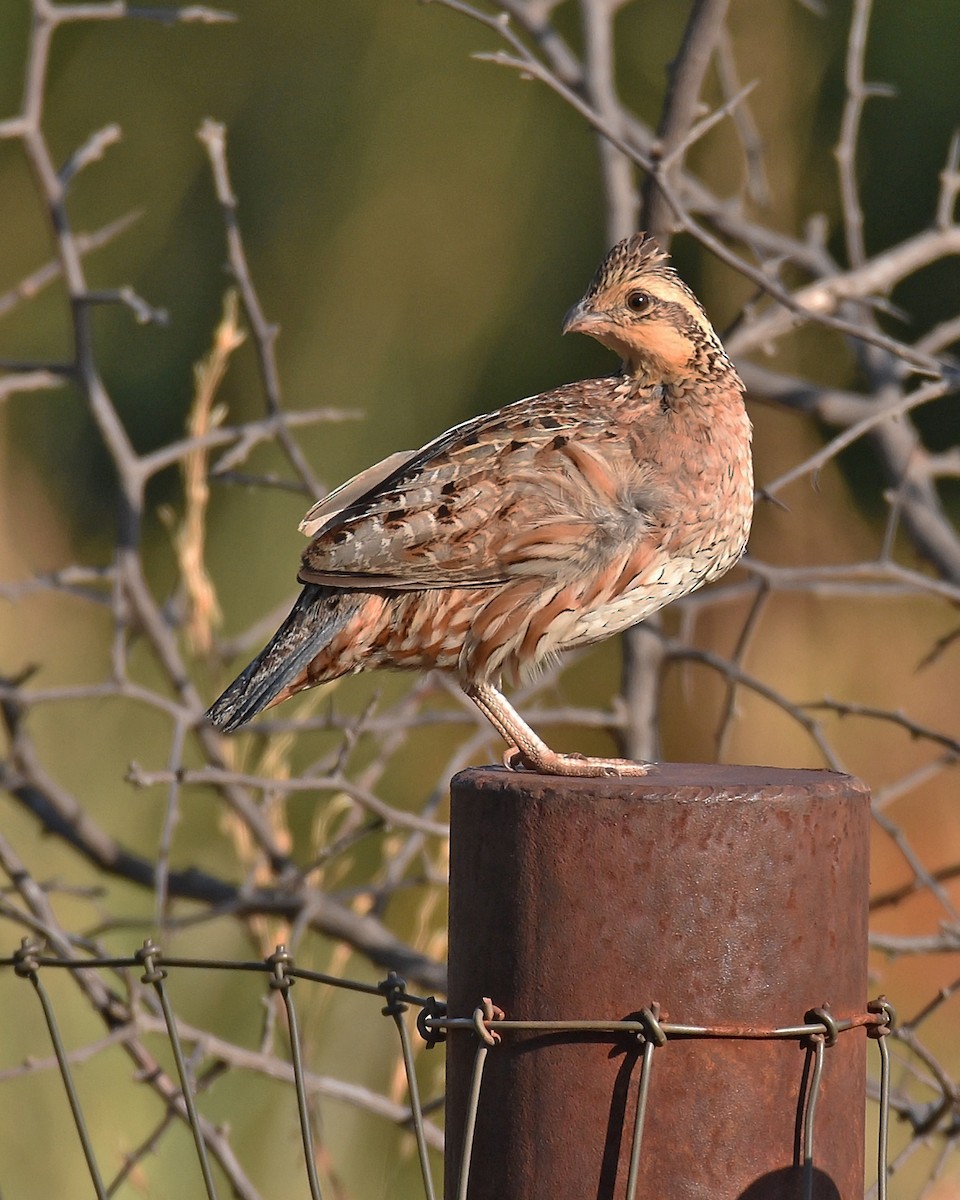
column 680, row 107
column 873, row 401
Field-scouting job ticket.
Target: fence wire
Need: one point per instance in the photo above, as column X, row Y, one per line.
column 819, row 1030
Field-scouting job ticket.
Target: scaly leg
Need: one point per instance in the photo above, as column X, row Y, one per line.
column 530, row 751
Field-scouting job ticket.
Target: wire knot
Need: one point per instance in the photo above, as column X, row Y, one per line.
column 150, row 954
column 882, row 1007
column 393, row 989
column 488, row 1011
column 26, row 959
column 430, row 1011
column 281, row 960
column 652, row 1031
column 823, row 1016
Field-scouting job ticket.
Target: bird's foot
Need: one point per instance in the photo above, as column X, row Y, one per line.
column 549, row 762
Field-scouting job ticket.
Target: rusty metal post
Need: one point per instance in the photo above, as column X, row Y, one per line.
column 731, row 896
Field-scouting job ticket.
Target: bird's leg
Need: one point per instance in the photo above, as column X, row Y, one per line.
column 530, row 751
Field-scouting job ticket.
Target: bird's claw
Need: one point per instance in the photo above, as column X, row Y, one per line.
column 574, row 765
column 513, row 760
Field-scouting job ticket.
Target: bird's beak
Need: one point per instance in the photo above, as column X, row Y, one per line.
column 580, row 319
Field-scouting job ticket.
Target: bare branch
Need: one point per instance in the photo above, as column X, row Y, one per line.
column 679, row 111
column 91, row 151
column 214, row 138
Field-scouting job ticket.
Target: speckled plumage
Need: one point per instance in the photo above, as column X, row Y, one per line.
column 553, row 522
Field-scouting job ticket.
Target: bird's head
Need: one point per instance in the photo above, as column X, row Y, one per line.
column 638, row 307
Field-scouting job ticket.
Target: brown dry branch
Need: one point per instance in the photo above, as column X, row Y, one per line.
column 203, row 612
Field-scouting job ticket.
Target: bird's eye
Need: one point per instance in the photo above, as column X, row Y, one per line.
column 639, row 302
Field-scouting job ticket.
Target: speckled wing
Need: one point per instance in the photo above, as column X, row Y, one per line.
column 322, row 514
column 537, row 488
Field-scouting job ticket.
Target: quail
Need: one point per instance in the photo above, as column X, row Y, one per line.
column 554, row 522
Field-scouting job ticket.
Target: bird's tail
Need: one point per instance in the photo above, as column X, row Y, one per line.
column 279, row 670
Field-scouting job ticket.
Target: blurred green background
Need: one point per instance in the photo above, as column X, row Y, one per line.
column 417, row 224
